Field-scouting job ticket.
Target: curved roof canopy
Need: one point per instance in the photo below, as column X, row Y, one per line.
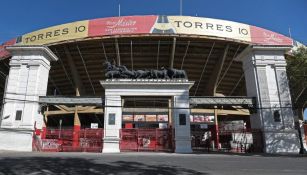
column 149, row 25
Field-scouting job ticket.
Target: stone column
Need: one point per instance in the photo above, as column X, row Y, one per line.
column 27, row 80
column 112, row 123
column 181, row 122
column 265, row 75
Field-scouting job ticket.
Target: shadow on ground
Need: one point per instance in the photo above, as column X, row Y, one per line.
column 294, row 155
column 64, row 166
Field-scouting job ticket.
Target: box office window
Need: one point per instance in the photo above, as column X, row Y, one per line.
column 182, row 119
column 18, row 115
column 112, row 119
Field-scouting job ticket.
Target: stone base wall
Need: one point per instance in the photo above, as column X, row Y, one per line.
column 281, row 142
column 16, row 139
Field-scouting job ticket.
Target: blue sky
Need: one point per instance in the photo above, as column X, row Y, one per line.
column 20, row 16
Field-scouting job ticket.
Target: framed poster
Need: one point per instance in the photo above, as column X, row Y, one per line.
column 128, row 118
column 151, row 118
column 139, row 118
column 162, row 118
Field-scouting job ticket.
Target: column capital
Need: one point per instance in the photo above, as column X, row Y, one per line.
column 32, row 50
column 262, row 56
column 252, row 49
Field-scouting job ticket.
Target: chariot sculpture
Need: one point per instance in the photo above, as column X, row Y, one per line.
column 121, row 72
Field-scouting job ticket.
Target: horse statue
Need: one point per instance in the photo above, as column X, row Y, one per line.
column 111, row 71
column 125, row 73
column 142, row 74
column 159, row 74
column 176, row 73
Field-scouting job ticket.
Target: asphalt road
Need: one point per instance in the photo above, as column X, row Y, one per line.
column 20, row 163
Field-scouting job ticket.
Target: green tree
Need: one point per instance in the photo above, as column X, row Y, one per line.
column 297, row 73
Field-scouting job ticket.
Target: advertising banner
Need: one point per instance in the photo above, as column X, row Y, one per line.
column 4, row 53
column 121, row 25
column 57, row 33
column 266, row 37
column 210, row 27
column 134, row 25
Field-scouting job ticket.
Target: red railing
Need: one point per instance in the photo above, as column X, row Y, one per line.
column 89, row 140
column 146, row 140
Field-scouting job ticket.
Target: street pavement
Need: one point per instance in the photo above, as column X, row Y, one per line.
column 20, row 163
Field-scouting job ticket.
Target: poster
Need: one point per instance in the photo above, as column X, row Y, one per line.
column 128, row 118
column 151, row 118
column 139, row 118
column 162, row 118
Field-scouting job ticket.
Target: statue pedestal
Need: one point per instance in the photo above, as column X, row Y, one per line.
column 176, row 89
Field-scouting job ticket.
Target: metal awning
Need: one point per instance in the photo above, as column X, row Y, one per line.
column 74, row 100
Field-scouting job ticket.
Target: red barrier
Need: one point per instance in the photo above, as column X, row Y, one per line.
column 146, row 140
column 89, row 140
column 129, row 140
column 164, row 140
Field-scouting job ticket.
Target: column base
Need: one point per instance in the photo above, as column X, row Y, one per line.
column 16, row 139
column 111, row 145
column 183, row 146
column 281, row 142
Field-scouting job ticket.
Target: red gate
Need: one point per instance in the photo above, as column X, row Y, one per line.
column 90, row 140
column 146, row 140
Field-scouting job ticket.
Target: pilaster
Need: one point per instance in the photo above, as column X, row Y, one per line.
column 27, row 80
column 265, row 76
